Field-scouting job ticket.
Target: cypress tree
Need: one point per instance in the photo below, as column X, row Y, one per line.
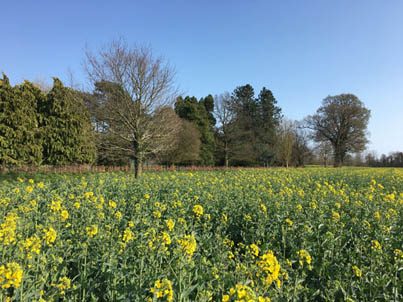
column 19, row 126
column 68, row 135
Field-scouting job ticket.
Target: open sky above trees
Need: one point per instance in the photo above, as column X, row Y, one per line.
column 302, row 51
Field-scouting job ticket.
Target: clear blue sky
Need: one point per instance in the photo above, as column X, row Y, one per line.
column 301, row 50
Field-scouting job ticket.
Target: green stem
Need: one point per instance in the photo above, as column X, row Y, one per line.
column 84, row 274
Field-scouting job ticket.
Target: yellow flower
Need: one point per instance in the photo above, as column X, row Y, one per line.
column 32, row 245
column 287, row 220
column 163, row 288
column 357, row 271
column 398, row 254
column 165, row 239
column 188, row 245
column 118, row 215
column 50, row 236
column 243, row 293
column 254, row 250
column 92, row 230
column 56, row 205
column 198, row 210
column 303, row 254
column 7, row 229
column 225, row 298
column 64, row 214
column 376, row 245
column 128, row 235
column 170, row 224
column 269, row 267
column 88, row 195
column 11, row 275
column 64, row 283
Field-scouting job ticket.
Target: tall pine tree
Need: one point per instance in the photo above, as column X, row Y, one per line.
column 246, row 112
column 267, row 123
column 253, row 126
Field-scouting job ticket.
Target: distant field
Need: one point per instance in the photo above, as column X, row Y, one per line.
column 308, row 234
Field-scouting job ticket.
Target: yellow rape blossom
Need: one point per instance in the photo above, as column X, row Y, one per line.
column 357, row 271
column 162, row 289
column 128, row 235
column 64, row 284
column 198, row 210
column 64, row 214
column 304, row 255
column 32, row 245
column 188, row 245
column 269, row 268
column 50, row 236
column 92, row 230
column 11, row 275
column 7, row 229
column 376, row 245
column 170, row 223
column 254, row 250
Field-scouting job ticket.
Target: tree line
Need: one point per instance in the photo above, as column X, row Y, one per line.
column 133, row 113
column 44, row 128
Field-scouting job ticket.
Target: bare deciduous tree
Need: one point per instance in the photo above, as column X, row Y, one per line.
column 225, row 116
column 134, row 91
column 324, row 150
column 286, row 140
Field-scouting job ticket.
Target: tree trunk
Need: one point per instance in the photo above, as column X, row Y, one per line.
column 226, row 156
column 138, row 161
column 138, row 165
column 338, row 158
column 3, row 167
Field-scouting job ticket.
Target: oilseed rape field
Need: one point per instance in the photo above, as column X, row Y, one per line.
column 309, row 234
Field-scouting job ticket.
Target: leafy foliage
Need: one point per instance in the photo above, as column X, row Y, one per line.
column 341, row 120
column 200, row 114
column 254, row 126
column 19, row 124
column 68, row 135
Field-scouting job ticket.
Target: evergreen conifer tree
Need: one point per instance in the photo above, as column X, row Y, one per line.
column 68, row 135
column 19, row 126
